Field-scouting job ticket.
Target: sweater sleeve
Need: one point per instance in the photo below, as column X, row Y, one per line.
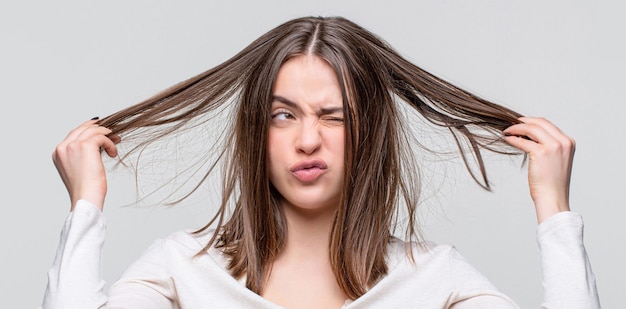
column 75, row 279
column 567, row 278
column 568, row 281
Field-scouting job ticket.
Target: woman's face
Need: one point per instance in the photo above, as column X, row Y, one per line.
column 306, row 135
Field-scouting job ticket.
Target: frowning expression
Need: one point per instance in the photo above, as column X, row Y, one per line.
column 306, row 134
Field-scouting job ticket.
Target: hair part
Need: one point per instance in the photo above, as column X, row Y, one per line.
column 374, row 79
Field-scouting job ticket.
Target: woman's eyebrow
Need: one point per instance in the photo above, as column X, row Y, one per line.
column 285, row 101
column 321, row 111
column 330, row 110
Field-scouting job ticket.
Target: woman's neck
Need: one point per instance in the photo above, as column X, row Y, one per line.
column 308, row 232
column 302, row 276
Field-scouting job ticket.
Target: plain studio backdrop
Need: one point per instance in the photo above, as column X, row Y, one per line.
column 63, row 62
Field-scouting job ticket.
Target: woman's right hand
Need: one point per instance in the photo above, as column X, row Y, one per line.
column 78, row 160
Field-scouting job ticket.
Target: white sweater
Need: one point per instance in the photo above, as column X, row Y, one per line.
column 168, row 275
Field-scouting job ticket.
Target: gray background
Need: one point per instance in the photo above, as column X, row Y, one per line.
column 63, row 62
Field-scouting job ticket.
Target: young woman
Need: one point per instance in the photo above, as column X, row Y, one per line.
column 318, row 167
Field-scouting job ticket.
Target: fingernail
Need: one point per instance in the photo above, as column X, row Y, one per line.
column 95, row 118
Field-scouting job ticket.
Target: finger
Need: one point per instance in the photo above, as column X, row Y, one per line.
column 91, row 132
column 115, row 138
column 519, row 142
column 99, row 141
column 535, row 132
column 108, row 146
column 82, row 127
column 87, row 136
column 545, row 134
column 550, row 128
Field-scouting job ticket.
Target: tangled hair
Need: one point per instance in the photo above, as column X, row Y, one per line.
column 374, row 80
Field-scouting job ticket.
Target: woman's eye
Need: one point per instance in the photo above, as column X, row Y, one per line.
column 281, row 115
column 332, row 119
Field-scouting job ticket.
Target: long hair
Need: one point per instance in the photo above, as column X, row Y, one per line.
column 379, row 176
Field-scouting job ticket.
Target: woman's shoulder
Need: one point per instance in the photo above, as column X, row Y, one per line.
column 188, row 239
column 171, row 263
column 186, row 248
column 425, row 261
column 412, row 256
column 185, row 243
column 192, row 242
column 417, row 250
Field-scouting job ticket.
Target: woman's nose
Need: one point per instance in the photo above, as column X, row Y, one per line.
column 309, row 139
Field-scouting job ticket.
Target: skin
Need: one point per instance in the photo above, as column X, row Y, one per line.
column 551, row 154
column 78, row 160
column 307, row 124
column 301, row 276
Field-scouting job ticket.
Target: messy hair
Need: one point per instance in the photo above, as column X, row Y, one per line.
column 375, row 81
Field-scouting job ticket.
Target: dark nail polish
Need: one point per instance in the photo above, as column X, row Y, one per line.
column 95, row 118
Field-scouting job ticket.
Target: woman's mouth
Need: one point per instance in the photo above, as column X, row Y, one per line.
column 309, row 170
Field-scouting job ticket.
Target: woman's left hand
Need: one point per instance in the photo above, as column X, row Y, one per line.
column 551, row 154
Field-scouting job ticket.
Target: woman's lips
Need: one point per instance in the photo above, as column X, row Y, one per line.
column 309, row 170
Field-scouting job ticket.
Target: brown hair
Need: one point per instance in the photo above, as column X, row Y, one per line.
column 379, row 175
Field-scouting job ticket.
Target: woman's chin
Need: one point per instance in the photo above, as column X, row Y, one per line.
column 310, row 205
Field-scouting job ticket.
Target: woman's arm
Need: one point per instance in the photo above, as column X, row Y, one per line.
column 567, row 276
column 75, row 279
